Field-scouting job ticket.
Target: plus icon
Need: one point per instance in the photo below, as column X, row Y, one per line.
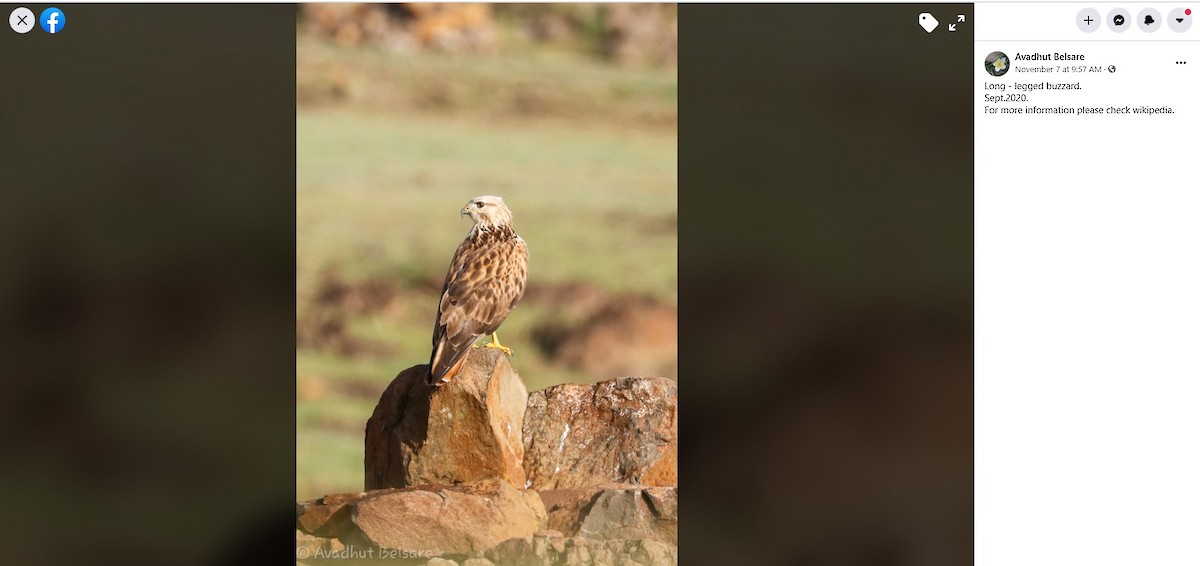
column 1088, row 20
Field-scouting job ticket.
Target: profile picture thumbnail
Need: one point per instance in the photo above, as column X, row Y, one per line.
column 996, row 63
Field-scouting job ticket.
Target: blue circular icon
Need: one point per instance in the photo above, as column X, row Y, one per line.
column 53, row 20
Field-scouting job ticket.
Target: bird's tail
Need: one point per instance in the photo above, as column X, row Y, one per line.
column 443, row 365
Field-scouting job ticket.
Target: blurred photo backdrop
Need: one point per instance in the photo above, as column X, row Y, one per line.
column 827, row 285
column 404, row 112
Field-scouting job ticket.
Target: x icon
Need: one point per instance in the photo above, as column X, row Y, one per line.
column 21, row 20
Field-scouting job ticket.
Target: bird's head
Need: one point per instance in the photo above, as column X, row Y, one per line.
column 488, row 211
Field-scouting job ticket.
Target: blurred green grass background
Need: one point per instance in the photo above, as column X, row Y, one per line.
column 390, row 145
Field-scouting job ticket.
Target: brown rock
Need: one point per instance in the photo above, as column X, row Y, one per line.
column 624, row 430
column 466, row 430
column 462, row 519
column 544, row 547
column 320, row 516
column 478, row 562
column 309, row 547
column 615, row 511
column 565, row 508
column 516, row 552
column 577, row 551
column 644, row 514
column 584, row 552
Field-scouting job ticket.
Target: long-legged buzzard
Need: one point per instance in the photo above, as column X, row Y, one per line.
column 485, row 281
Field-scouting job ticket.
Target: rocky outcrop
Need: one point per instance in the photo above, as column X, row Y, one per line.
column 614, row 512
column 478, row 473
column 492, row 521
column 310, row 545
column 552, row 548
column 464, row 519
column 466, row 430
column 623, row 430
column 322, row 517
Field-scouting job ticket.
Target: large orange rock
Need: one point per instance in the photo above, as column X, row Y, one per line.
column 624, row 430
column 425, row 521
column 463, row 519
column 466, row 430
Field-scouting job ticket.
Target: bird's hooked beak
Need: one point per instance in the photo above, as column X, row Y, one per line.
column 465, row 211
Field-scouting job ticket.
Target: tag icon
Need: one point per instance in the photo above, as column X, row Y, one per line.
column 927, row 21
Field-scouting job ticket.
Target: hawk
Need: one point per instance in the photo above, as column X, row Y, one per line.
column 485, row 281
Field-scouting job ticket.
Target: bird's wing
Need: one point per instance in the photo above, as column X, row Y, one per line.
column 482, row 286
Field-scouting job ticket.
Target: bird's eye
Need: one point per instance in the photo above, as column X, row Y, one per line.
column 479, row 205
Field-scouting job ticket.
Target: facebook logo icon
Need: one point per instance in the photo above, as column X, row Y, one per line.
column 52, row 20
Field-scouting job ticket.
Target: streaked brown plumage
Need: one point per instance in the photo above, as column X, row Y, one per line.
column 485, row 280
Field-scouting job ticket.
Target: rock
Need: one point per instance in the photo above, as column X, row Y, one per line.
column 441, row 562
column 463, row 519
column 614, row 511
column 466, row 430
column 584, row 552
column 544, row 547
column 320, row 516
column 620, row 553
column 478, row 562
column 565, row 508
column 309, row 546
column 517, row 552
column 624, row 430
column 577, row 551
column 646, row 514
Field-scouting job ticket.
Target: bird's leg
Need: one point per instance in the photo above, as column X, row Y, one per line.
column 495, row 343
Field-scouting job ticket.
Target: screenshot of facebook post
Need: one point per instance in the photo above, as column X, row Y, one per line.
column 484, row 284
column 1086, row 283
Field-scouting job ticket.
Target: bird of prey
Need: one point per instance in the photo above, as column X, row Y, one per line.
column 485, row 281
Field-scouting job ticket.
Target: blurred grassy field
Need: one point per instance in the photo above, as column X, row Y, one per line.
column 390, row 147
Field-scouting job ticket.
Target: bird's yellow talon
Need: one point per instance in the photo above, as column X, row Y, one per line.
column 495, row 343
column 504, row 349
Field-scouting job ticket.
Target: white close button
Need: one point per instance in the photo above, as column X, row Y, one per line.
column 21, row 20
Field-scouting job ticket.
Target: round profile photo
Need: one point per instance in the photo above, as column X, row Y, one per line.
column 996, row 63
